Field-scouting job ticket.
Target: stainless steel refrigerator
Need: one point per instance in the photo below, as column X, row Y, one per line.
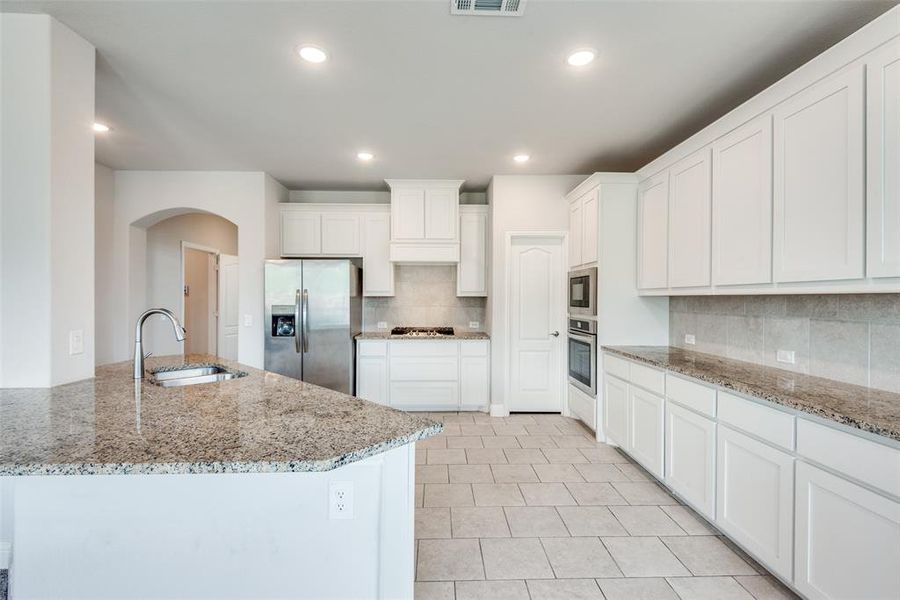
column 313, row 312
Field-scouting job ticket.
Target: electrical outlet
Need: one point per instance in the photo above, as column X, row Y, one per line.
column 689, row 338
column 76, row 341
column 474, row 324
column 785, row 356
column 382, row 325
column 248, row 320
column 340, row 500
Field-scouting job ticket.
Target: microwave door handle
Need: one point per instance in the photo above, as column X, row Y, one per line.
column 297, row 322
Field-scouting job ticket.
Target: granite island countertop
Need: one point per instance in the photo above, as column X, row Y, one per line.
column 386, row 335
column 262, row 422
column 869, row 409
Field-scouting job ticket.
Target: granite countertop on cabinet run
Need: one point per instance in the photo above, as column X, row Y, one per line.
column 260, row 423
column 386, row 335
column 872, row 410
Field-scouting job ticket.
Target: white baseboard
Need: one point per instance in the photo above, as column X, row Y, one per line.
column 499, row 410
column 5, row 555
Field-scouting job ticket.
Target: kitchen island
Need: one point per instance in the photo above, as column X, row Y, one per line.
column 260, row 486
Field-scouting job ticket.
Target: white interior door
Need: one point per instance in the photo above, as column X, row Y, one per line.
column 536, row 309
column 228, row 307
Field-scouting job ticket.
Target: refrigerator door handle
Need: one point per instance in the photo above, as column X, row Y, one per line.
column 297, row 329
column 305, row 320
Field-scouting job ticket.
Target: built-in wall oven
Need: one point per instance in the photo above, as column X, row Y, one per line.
column 583, row 355
column 583, row 292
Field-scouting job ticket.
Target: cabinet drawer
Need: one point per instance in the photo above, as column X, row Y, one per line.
column 872, row 463
column 474, row 348
column 425, row 395
column 424, row 368
column 371, row 348
column 692, row 395
column 423, row 348
column 582, row 406
column 647, row 378
column 615, row 366
column 772, row 425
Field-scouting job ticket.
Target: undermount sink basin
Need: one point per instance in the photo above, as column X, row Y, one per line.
column 192, row 375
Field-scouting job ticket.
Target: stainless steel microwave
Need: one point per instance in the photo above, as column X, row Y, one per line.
column 583, row 292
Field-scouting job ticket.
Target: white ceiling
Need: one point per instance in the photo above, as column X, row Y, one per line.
column 215, row 85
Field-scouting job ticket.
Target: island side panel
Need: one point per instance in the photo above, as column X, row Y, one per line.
column 228, row 536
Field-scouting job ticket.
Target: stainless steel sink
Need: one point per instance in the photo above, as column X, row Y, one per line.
column 192, row 375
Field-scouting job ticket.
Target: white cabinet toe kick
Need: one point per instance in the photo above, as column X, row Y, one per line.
column 435, row 375
column 814, row 502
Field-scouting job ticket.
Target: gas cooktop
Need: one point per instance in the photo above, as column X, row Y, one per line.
column 422, row 331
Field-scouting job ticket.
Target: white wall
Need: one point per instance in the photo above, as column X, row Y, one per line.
column 518, row 203
column 144, row 198
column 47, row 204
column 104, row 206
column 163, row 269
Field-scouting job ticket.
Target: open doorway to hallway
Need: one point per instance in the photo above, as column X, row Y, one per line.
column 192, row 269
column 210, row 301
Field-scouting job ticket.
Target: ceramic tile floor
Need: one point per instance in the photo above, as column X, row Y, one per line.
column 531, row 507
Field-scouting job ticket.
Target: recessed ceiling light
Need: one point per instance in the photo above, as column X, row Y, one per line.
column 521, row 158
column 101, row 128
column 581, row 57
column 312, row 54
column 365, row 156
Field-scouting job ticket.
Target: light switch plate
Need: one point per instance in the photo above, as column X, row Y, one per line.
column 785, row 356
column 474, row 324
column 689, row 338
column 382, row 325
column 76, row 341
column 248, row 320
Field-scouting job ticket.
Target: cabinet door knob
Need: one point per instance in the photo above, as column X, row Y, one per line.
column 555, row 334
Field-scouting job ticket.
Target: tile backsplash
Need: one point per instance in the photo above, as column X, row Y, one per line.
column 424, row 296
column 852, row 338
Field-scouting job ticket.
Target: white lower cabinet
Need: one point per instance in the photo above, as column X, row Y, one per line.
column 372, row 370
column 753, row 469
column 474, row 374
column 848, row 539
column 615, row 410
column 754, row 497
column 424, row 374
column 691, row 457
column 646, row 412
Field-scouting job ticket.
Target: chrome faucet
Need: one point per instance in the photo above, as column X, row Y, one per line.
column 139, row 355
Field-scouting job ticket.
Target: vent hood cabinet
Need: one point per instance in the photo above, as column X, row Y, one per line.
column 424, row 221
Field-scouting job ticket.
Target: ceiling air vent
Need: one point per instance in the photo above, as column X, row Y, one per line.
column 501, row 8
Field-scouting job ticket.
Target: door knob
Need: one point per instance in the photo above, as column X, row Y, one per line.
column 555, row 334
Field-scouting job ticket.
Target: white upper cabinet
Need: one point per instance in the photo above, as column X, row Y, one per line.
column 471, row 272
column 584, row 227
column 653, row 226
column 378, row 270
column 301, row 232
column 340, row 234
column 441, row 214
column 804, row 184
column 689, row 221
column 590, row 224
column 408, row 214
column 424, row 220
column 883, row 162
column 742, row 205
column 819, row 181
column 575, row 229
column 321, row 230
